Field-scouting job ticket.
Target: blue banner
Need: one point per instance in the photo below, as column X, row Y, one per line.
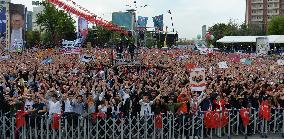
column 2, row 17
column 142, row 21
column 158, row 22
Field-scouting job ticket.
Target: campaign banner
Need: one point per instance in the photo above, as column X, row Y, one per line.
column 82, row 27
column 17, row 25
column 197, row 79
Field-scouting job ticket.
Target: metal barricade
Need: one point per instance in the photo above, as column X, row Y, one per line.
column 140, row 127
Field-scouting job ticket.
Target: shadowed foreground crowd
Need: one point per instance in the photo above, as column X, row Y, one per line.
column 160, row 85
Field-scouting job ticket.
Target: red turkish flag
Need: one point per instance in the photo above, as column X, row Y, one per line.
column 20, row 119
column 216, row 119
column 244, row 113
column 210, row 119
column 55, row 122
column 265, row 110
column 224, row 120
column 158, row 121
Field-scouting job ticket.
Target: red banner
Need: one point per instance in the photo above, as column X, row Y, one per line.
column 98, row 115
column 244, row 113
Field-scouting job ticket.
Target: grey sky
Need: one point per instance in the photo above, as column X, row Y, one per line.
column 188, row 15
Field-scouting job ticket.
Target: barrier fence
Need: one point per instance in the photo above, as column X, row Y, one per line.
column 167, row 126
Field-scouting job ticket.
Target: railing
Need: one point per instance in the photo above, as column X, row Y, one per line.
column 168, row 126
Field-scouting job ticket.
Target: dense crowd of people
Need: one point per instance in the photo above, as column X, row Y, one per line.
column 160, row 84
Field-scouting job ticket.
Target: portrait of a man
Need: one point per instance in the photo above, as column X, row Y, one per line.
column 17, row 23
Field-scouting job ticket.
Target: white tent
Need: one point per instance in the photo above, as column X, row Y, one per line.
column 251, row 39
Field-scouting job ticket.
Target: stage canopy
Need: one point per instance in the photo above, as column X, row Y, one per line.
column 251, row 39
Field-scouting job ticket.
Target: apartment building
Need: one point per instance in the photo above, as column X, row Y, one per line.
column 260, row 12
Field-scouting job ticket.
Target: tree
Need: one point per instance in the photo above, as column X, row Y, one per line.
column 276, row 26
column 33, row 38
column 250, row 30
column 56, row 23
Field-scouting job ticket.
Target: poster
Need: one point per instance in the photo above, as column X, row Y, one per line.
column 197, row 79
column 17, row 25
column 262, row 46
column 82, row 27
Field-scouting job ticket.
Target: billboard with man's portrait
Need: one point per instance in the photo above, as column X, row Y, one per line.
column 17, row 25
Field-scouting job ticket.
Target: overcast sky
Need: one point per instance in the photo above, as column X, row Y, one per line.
column 188, row 15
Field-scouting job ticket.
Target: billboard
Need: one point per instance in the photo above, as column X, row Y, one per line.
column 82, row 27
column 2, row 18
column 17, row 14
column 123, row 19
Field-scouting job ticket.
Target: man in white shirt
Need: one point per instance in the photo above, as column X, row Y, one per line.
column 54, row 105
column 145, row 106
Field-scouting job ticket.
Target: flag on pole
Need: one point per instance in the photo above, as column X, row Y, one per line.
column 158, row 22
column 142, row 21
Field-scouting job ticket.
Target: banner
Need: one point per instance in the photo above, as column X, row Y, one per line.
column 197, row 79
column 262, row 46
column 3, row 18
column 223, row 65
column 17, row 25
column 82, row 27
column 142, row 21
column 70, row 51
column 234, row 57
column 159, row 22
column 246, row 61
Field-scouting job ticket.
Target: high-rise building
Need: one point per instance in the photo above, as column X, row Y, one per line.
column 36, row 10
column 29, row 20
column 260, row 12
column 124, row 19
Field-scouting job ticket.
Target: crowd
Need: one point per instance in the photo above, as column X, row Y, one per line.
column 161, row 84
